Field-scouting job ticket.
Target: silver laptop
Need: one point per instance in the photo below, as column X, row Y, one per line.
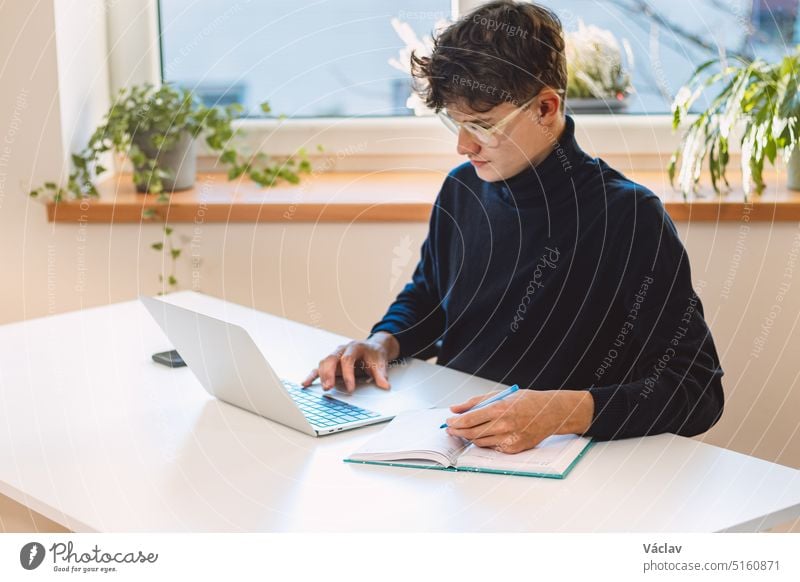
column 232, row 368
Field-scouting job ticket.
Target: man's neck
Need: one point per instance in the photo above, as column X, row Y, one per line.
column 553, row 135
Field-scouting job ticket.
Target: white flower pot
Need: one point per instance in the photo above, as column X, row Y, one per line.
column 793, row 170
column 581, row 105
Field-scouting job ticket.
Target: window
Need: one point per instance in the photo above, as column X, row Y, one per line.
column 308, row 59
column 330, row 57
column 670, row 38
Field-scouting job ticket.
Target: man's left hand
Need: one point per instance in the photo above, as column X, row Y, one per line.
column 522, row 420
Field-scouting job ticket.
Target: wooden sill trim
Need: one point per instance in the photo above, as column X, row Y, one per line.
column 374, row 197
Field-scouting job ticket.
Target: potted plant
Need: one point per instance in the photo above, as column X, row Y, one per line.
column 598, row 79
column 757, row 98
column 157, row 128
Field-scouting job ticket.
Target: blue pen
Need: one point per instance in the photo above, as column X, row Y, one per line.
column 507, row 392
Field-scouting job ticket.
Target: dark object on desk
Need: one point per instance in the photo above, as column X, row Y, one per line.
column 171, row 359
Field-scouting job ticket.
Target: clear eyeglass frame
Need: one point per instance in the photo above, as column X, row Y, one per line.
column 488, row 136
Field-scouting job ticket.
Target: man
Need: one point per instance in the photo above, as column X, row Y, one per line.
column 542, row 266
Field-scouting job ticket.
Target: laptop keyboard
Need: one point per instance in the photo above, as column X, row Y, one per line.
column 324, row 412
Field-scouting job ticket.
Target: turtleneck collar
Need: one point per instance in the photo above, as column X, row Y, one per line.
column 548, row 179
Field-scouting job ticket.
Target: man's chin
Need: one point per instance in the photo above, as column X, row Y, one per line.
column 488, row 173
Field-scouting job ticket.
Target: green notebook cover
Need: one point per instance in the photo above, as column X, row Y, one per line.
column 438, row 467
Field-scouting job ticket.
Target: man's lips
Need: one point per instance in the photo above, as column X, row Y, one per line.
column 478, row 163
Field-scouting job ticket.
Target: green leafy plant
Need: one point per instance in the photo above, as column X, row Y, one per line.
column 760, row 97
column 162, row 115
column 145, row 121
column 174, row 252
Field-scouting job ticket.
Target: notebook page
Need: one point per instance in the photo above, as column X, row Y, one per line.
column 552, row 456
column 411, row 434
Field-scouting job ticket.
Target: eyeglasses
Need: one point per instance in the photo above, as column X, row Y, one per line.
column 488, row 136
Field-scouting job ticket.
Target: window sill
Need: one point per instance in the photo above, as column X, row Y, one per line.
column 355, row 138
column 376, row 197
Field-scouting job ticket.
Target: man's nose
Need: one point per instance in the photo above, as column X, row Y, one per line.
column 467, row 144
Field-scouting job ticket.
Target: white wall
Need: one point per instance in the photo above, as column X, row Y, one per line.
column 741, row 271
column 81, row 49
column 30, row 147
column 336, row 276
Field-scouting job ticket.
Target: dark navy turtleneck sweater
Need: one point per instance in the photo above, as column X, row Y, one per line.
column 565, row 276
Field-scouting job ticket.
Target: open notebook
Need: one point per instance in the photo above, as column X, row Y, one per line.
column 414, row 439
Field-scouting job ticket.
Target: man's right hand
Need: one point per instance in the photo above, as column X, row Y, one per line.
column 370, row 355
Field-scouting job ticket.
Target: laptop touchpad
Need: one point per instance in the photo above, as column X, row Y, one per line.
column 379, row 400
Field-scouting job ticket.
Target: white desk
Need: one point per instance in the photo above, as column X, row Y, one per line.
column 99, row 438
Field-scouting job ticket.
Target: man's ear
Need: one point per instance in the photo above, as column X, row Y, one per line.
column 549, row 106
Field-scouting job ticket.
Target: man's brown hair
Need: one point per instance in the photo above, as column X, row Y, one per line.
column 501, row 52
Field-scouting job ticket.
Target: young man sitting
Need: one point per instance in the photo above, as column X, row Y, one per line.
column 543, row 266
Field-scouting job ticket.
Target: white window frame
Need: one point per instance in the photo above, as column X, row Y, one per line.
column 134, row 57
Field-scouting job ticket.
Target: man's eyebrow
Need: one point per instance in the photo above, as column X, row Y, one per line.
column 478, row 118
